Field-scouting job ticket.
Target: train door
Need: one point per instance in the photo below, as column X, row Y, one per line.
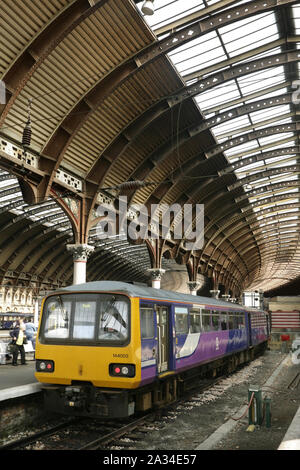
column 162, row 316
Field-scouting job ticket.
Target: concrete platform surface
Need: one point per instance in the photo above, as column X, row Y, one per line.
column 12, row 377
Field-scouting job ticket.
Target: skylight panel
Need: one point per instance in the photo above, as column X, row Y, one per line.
column 289, row 225
column 295, row 217
column 249, row 34
column 266, row 53
column 296, row 17
column 289, row 234
column 277, row 92
column 8, row 198
column 248, row 168
column 232, row 125
column 218, row 95
column 274, row 121
column 267, row 113
column 274, row 138
column 261, row 80
column 283, row 178
column 9, row 183
column 209, row 41
column 288, row 231
column 284, row 201
column 240, row 148
column 194, row 60
column 283, row 163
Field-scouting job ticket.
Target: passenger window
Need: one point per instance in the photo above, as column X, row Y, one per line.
column 195, row 319
column 215, row 322
column 206, row 320
column 241, row 321
column 223, row 321
column 147, row 323
column 230, row 322
column 233, row 321
column 181, row 320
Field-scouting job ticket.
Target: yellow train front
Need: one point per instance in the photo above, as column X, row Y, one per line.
column 88, row 351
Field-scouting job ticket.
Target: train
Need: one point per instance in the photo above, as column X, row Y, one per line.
column 7, row 319
column 108, row 349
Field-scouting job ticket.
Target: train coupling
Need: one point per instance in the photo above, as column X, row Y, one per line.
column 75, row 397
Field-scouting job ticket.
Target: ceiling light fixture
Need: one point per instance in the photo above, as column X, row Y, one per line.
column 148, row 7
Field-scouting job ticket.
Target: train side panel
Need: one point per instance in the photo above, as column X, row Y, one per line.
column 209, row 346
column 187, row 348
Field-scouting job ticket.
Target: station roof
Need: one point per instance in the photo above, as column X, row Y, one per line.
column 199, row 100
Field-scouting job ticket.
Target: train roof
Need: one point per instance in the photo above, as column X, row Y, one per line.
column 133, row 290
column 17, row 314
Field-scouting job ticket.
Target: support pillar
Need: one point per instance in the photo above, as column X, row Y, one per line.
column 36, row 312
column 156, row 275
column 80, row 253
column 193, row 286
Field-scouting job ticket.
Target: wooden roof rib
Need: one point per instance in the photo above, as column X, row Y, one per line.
column 200, row 104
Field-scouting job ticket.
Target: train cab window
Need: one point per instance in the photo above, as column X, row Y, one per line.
column 114, row 320
column 195, row 320
column 84, row 320
column 86, row 317
column 181, row 320
column 205, row 314
column 58, row 314
column 147, row 322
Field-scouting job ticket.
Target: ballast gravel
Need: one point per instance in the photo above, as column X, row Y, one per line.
column 194, row 422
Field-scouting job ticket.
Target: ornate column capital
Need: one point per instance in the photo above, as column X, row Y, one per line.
column 193, row 286
column 215, row 293
column 156, row 273
column 80, row 252
column 226, row 297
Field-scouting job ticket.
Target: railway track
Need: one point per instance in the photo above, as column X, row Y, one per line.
column 87, row 434
column 295, row 382
column 19, row 443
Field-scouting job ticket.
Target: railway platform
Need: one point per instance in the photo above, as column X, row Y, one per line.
column 17, row 381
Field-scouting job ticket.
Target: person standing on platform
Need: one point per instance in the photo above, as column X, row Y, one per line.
column 30, row 330
column 18, row 340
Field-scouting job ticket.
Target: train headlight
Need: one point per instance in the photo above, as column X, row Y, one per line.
column 122, row 370
column 44, row 365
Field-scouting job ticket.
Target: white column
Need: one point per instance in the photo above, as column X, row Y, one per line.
column 80, row 253
column 193, row 286
column 156, row 275
column 36, row 312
